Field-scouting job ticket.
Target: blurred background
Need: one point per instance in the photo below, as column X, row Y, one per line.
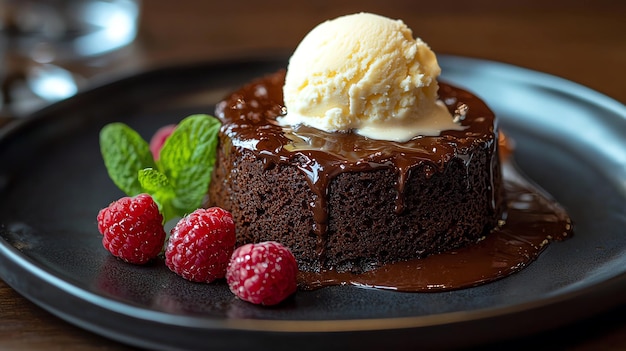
column 52, row 49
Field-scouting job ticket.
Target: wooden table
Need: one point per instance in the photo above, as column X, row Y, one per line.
column 565, row 38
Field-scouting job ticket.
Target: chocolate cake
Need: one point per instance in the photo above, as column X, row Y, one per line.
column 344, row 202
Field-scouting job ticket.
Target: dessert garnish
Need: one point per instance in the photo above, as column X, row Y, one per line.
column 262, row 273
column 132, row 229
column 178, row 180
column 200, row 245
column 169, row 178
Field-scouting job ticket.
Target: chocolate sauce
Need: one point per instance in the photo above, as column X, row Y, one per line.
column 532, row 222
column 249, row 117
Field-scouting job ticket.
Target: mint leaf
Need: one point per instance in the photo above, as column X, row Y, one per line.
column 187, row 160
column 125, row 152
column 152, row 181
column 158, row 186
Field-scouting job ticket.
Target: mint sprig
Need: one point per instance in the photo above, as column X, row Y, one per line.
column 179, row 180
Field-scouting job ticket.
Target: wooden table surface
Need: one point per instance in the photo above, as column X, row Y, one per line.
column 569, row 39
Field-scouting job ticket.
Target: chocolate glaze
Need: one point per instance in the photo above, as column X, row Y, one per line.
column 249, row 122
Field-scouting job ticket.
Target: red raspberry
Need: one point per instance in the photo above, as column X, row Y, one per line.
column 132, row 228
column 158, row 139
column 263, row 273
column 200, row 245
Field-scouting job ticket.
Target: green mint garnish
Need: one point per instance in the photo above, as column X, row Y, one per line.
column 179, row 180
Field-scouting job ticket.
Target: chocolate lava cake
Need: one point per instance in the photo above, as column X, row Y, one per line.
column 344, row 202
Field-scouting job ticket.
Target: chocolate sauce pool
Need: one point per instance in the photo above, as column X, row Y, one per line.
column 530, row 222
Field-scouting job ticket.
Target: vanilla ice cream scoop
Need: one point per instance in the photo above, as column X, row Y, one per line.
column 365, row 73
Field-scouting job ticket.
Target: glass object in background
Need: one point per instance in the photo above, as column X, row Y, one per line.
column 51, row 48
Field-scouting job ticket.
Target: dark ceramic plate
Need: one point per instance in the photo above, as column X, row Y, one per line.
column 570, row 140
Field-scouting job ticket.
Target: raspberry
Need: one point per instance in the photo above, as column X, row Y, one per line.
column 132, row 228
column 200, row 245
column 158, row 139
column 263, row 273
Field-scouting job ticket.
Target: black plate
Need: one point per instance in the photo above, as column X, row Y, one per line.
column 570, row 140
